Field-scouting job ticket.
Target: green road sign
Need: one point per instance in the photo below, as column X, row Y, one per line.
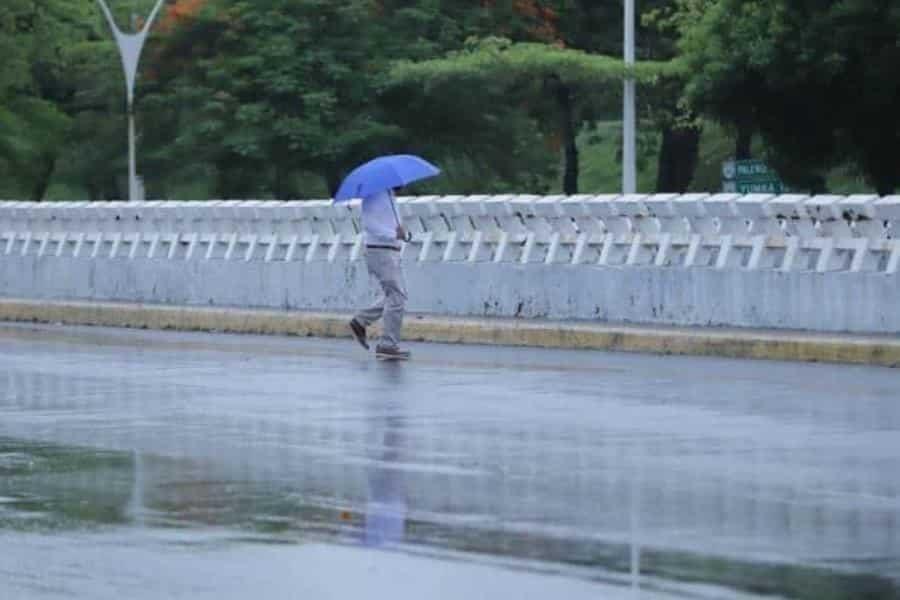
column 754, row 187
column 750, row 177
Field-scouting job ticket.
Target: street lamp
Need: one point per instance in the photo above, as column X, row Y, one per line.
column 130, row 47
column 629, row 126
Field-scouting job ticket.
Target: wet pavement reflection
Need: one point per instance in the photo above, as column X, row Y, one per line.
column 226, row 466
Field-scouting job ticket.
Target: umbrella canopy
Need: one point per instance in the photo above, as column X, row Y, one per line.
column 384, row 173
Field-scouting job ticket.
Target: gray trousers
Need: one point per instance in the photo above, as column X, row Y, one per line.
column 385, row 266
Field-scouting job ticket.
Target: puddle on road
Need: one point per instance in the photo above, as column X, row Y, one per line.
column 46, row 487
column 52, row 489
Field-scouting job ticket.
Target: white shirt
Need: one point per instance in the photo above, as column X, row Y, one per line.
column 379, row 220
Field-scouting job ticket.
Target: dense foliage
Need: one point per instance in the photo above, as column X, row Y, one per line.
column 279, row 98
column 818, row 79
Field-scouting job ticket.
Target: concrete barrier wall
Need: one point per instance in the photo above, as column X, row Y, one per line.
column 790, row 262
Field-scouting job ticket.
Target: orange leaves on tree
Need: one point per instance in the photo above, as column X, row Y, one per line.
column 545, row 19
column 178, row 12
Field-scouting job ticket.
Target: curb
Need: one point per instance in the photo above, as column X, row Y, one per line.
column 726, row 343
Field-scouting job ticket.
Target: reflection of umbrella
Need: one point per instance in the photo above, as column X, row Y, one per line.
column 383, row 174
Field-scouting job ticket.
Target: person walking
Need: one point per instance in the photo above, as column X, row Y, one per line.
column 383, row 235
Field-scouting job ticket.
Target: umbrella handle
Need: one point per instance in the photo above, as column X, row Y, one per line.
column 394, row 209
column 409, row 236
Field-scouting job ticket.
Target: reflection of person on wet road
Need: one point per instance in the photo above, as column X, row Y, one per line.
column 386, row 509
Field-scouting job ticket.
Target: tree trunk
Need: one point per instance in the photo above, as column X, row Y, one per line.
column 743, row 149
column 235, row 178
column 44, row 174
column 678, row 156
column 885, row 187
column 818, row 185
column 882, row 171
column 279, row 187
column 570, row 141
column 333, row 181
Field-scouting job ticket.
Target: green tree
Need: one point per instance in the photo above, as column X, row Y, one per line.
column 485, row 135
column 596, row 26
column 94, row 158
column 818, row 80
column 569, row 85
column 263, row 96
column 275, row 89
column 36, row 87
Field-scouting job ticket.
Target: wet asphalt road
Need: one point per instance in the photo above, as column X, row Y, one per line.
column 232, row 466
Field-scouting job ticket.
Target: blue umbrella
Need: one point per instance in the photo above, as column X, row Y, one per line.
column 384, row 173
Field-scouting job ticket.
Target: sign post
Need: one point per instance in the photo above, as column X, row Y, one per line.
column 130, row 47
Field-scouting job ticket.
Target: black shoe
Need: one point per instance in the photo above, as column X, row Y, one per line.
column 359, row 333
column 390, row 353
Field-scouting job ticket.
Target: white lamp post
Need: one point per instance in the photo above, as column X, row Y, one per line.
column 130, row 47
column 629, row 125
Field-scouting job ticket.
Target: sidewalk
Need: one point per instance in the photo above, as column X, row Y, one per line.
column 698, row 341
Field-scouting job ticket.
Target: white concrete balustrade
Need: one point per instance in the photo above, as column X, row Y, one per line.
column 721, row 231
